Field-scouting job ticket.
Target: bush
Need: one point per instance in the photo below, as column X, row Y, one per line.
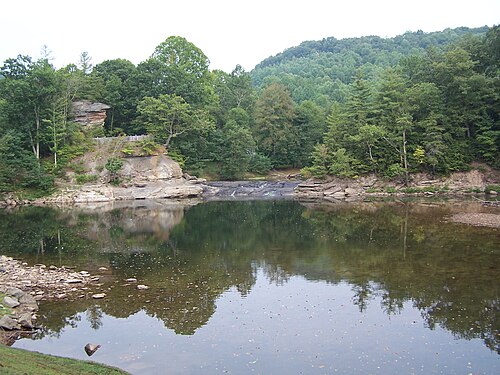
column 394, row 170
column 260, row 164
column 492, row 188
column 84, row 178
column 148, row 147
column 317, row 171
column 177, row 156
column 113, row 165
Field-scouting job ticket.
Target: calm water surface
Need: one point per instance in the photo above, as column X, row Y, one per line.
column 270, row 287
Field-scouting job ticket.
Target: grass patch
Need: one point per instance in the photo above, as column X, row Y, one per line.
column 473, row 190
column 18, row 361
column 390, row 189
column 4, row 310
column 492, row 188
column 84, row 178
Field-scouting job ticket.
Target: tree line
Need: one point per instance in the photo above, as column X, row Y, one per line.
column 433, row 111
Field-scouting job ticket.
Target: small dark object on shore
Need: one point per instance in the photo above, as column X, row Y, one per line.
column 91, row 349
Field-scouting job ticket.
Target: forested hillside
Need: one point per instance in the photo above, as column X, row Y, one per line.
column 418, row 102
column 321, row 70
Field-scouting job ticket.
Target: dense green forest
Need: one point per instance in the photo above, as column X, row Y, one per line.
column 322, row 70
column 417, row 102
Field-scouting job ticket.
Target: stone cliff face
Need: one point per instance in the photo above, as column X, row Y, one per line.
column 89, row 113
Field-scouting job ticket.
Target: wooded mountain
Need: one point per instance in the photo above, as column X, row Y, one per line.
column 320, row 70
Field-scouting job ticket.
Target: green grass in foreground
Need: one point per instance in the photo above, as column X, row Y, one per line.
column 17, row 361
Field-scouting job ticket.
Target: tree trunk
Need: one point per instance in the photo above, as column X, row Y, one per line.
column 405, row 159
column 167, row 142
column 37, row 133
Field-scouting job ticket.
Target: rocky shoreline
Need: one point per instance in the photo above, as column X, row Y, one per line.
column 459, row 183
column 41, row 281
column 22, row 286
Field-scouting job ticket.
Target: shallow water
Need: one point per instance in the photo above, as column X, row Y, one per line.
column 272, row 287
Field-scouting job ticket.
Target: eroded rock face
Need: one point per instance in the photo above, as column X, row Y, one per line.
column 151, row 168
column 141, row 177
column 89, row 113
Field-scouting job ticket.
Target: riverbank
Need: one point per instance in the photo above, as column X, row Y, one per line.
column 480, row 181
column 22, row 286
column 44, row 282
column 19, row 361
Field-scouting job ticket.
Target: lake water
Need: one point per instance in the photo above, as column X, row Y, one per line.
column 270, row 287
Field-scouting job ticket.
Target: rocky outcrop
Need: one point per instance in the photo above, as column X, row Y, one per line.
column 89, row 113
column 334, row 188
column 11, row 201
column 154, row 176
column 249, row 189
column 459, row 183
column 21, row 306
column 92, row 193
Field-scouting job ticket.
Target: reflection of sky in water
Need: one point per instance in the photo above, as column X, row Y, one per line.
column 298, row 327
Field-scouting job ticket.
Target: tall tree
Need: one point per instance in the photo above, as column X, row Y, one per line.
column 170, row 116
column 178, row 67
column 275, row 133
column 117, row 93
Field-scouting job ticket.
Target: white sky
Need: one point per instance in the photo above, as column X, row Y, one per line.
column 229, row 32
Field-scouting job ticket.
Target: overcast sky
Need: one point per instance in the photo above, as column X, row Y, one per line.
column 229, row 32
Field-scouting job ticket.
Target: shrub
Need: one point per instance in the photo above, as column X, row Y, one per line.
column 148, row 147
column 84, row 178
column 492, row 188
column 177, row 156
column 113, row 165
column 260, row 164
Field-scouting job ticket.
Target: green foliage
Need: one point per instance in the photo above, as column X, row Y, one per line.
column 113, row 165
column 128, row 150
column 492, row 187
column 426, row 189
column 85, row 178
column 170, row 116
column 419, row 102
column 78, row 167
column 236, row 150
column 4, row 310
column 315, row 70
column 260, row 164
column 343, row 164
column 393, row 171
column 275, row 133
column 177, row 156
column 474, row 190
column 148, row 147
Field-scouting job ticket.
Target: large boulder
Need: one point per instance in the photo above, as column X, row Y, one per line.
column 89, row 113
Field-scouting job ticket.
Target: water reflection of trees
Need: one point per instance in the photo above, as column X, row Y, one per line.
column 394, row 253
